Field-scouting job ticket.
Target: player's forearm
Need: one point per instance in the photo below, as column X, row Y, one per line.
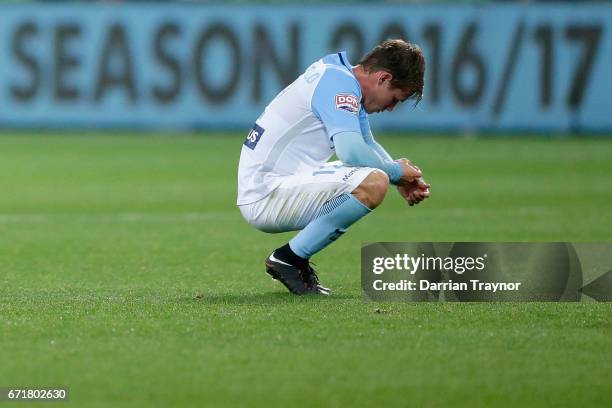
column 381, row 151
column 369, row 139
column 352, row 150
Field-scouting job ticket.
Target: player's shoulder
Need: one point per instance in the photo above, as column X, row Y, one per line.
column 338, row 73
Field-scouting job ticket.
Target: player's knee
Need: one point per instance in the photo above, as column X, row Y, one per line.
column 371, row 192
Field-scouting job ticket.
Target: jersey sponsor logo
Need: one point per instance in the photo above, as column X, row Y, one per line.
column 336, row 234
column 348, row 175
column 347, row 102
column 253, row 137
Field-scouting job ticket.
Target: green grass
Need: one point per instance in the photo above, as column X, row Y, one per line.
column 127, row 274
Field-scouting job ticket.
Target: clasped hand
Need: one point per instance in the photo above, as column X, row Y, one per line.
column 412, row 187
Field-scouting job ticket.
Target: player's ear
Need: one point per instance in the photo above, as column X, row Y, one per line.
column 384, row 76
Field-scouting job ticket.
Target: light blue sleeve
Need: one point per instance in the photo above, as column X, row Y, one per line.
column 379, row 149
column 352, row 150
column 366, row 131
column 336, row 102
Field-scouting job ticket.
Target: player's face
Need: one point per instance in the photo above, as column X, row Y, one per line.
column 384, row 97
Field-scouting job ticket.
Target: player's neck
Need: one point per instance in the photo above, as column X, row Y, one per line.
column 364, row 78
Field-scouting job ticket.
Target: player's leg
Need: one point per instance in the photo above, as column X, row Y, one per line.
column 324, row 205
column 337, row 215
column 371, row 192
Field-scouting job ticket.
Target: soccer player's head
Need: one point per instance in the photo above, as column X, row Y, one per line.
column 395, row 72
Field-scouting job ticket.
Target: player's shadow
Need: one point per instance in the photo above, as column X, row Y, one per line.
column 265, row 298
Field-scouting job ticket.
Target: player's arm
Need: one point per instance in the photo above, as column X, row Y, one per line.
column 369, row 139
column 412, row 189
column 335, row 101
column 352, row 150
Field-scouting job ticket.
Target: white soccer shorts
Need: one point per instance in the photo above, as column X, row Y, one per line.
column 300, row 196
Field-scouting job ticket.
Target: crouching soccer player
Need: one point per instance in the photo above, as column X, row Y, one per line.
column 284, row 180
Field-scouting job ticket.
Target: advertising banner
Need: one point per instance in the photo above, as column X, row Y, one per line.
column 495, row 67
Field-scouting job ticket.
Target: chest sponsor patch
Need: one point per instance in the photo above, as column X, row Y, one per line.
column 253, row 137
column 347, row 102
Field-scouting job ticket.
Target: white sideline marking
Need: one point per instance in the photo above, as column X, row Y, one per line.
column 117, row 217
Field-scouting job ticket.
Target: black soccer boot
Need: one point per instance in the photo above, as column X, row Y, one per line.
column 299, row 281
column 311, row 279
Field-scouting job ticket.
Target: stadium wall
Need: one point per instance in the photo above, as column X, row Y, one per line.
column 542, row 68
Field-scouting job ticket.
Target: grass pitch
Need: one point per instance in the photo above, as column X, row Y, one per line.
column 128, row 275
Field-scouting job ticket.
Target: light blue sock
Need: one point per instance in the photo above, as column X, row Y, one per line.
column 333, row 219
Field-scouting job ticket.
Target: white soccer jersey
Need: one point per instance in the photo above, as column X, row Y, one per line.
column 295, row 131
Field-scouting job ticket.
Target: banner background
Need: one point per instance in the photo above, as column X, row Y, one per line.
column 495, row 67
